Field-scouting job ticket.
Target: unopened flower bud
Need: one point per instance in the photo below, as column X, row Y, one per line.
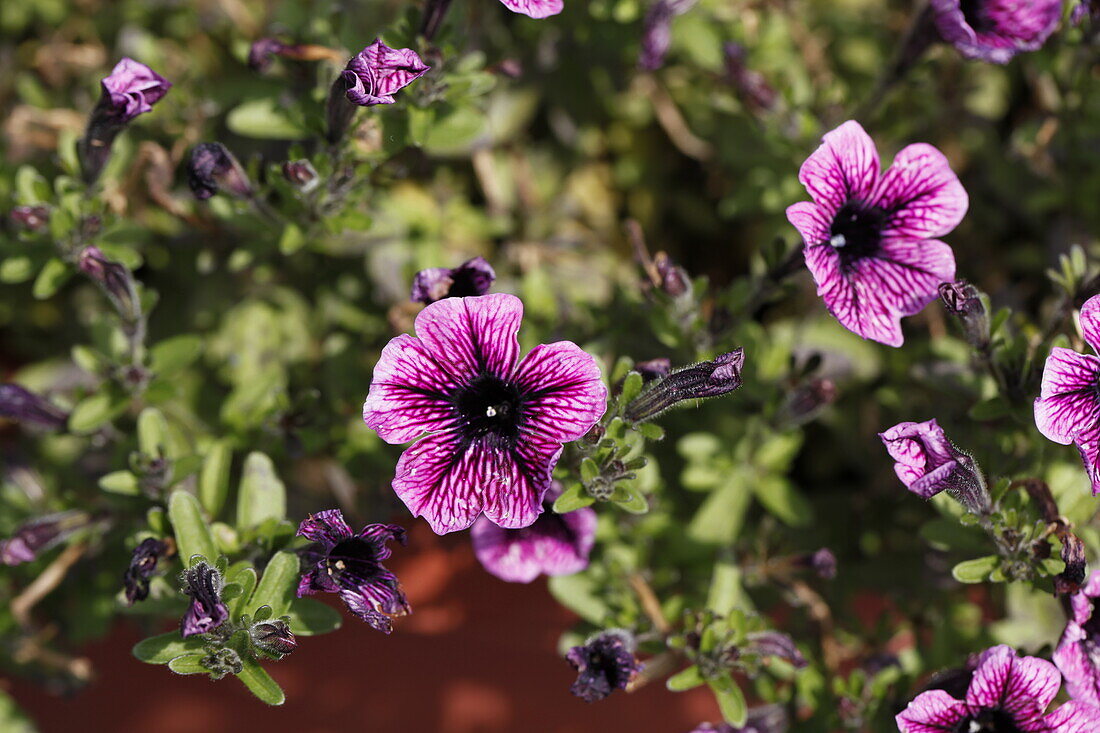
column 473, row 277
column 963, row 301
column 604, row 664
column 114, row 279
column 822, row 562
column 775, row 644
column 674, row 280
column 372, row 77
column 213, row 168
column 261, row 54
column 751, row 87
column 927, row 463
column 220, row 662
column 40, row 534
column 273, row 637
column 707, row 379
column 18, row 403
column 143, row 563
column 207, row 611
column 31, row 218
column 657, row 32
column 654, row 368
column 301, row 174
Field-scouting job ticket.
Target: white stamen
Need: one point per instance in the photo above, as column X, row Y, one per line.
column 340, row 565
column 975, row 727
column 838, row 240
column 490, row 411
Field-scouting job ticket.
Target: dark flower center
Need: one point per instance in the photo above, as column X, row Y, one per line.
column 1091, row 642
column 352, row 562
column 987, row 721
column 974, row 13
column 467, row 281
column 857, row 231
column 491, row 409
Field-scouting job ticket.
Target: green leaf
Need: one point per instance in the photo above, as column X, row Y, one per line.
column 188, row 664
column 174, row 354
column 265, row 119
column 292, row 239
column 581, row 595
column 243, row 575
column 725, row 587
column 687, row 679
column 573, row 498
column 278, row 585
column 630, row 500
column 632, row 387
column 152, row 431
column 783, row 500
column 590, row 471
column 259, row 682
column 651, row 431
column 192, row 533
column 94, row 411
column 262, row 494
column 50, row 278
column 310, row 618
column 731, row 701
column 720, row 517
column 166, row 647
column 976, row 570
column 214, row 478
column 120, row 482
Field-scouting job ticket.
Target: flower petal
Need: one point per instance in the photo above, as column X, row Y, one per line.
column 844, row 168
column 472, row 336
column 409, row 393
column 1019, row 685
column 380, row 534
column 909, row 272
column 327, row 527
column 435, row 480
column 1069, row 402
column 1090, row 322
column 921, row 195
column 535, row 8
column 516, row 483
column 1073, row 717
column 1073, row 660
column 563, row 392
column 859, row 308
column 813, row 222
column 1088, row 445
column 934, row 711
column 554, row 545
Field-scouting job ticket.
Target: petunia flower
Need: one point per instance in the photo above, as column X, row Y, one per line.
column 1078, row 652
column 207, row 610
column 1007, row 693
column 371, row 77
column 472, row 277
column 535, row 8
column 20, row 404
column 556, row 544
column 927, row 463
column 350, row 564
column 213, row 168
column 604, row 664
column 37, row 535
column 871, row 238
column 1068, row 408
column 996, row 30
column 143, row 563
column 493, row 426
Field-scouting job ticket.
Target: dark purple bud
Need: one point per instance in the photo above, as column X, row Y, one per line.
column 38, row 535
column 206, row 612
column 674, row 280
column 114, row 279
column 822, row 562
column 472, row 277
column 751, row 87
column 17, row 403
column 213, row 168
column 654, row 368
column 809, row 399
column 1083, row 9
column 131, row 90
column 220, row 662
column 301, row 175
column 143, row 563
column 775, row 644
column 31, row 218
column 963, row 301
column 707, row 379
column 273, row 637
column 372, row 77
column 604, row 664
column 928, row 463
column 657, row 31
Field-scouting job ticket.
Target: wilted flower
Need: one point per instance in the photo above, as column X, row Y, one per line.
column 870, row 238
column 535, row 8
column 31, row 218
column 213, row 168
column 371, row 77
column 40, row 534
column 350, row 564
column 115, row 279
column 751, row 86
column 996, row 30
column 472, row 277
column 604, row 664
column 700, row 381
column 301, row 174
column 927, row 463
column 763, row 719
column 774, row 644
column 493, row 428
column 143, row 563
column 273, row 637
column 1068, row 408
column 207, row 611
column 963, row 301
column 1078, row 652
column 1007, row 693
column 657, row 31
column 131, row 90
column 556, row 544
column 19, row 403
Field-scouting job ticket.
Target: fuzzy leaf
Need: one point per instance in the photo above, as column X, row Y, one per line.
column 192, row 533
column 309, row 617
column 164, row 648
column 262, row 494
column 573, row 498
column 687, row 679
column 259, row 682
column 214, row 478
column 174, row 354
column 278, row 585
column 120, row 482
column 731, row 701
column 976, row 570
column 188, row 664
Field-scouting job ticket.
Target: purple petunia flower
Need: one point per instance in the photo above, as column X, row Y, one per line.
column 40, row 534
column 927, row 463
column 871, row 239
column 604, row 664
column 1078, row 652
column 556, row 544
column 1068, row 408
column 114, row 278
column 378, row 72
column 1007, row 693
column 213, row 168
column 535, row 8
column 350, row 564
column 132, row 89
column 493, row 428
column 19, row 403
column 996, row 30
column 31, row 218
column 472, row 277
column 207, row 611
column 143, row 563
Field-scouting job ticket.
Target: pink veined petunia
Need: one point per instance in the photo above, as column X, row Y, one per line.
column 996, row 30
column 556, row 544
column 535, row 8
column 489, row 428
column 1008, row 694
column 378, row 72
column 1078, row 652
column 871, row 239
column 131, row 89
column 1068, row 408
